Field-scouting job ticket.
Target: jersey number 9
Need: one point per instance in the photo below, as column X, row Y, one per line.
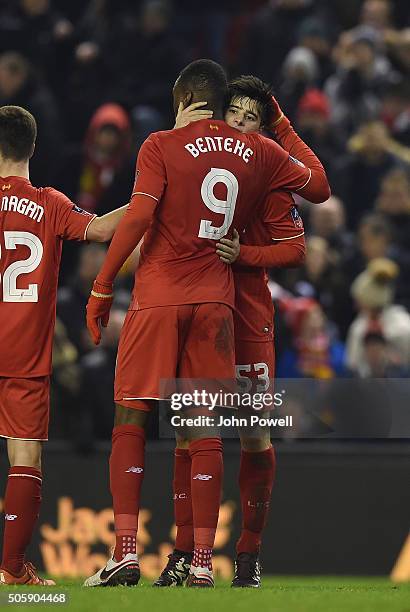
column 222, row 207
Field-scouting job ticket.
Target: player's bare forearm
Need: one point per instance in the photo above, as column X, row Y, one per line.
column 282, row 254
column 101, row 229
column 129, row 232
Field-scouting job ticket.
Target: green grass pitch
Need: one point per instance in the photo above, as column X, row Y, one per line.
column 278, row 594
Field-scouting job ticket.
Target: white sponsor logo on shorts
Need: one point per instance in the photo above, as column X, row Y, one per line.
column 202, row 477
column 10, row 517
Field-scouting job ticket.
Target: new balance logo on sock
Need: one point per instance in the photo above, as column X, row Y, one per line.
column 136, row 470
column 10, row 517
column 202, row 477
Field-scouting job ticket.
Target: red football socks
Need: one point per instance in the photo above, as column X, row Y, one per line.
column 126, row 476
column 206, row 485
column 184, row 540
column 256, row 477
column 202, row 558
column 21, row 510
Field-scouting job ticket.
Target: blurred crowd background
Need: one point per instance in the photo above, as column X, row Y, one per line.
column 98, row 75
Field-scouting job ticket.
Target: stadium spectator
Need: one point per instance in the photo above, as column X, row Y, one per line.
column 373, row 291
column 272, row 33
column 315, row 34
column 65, row 384
column 313, row 125
column 94, row 68
column 361, row 76
column 322, row 278
column 100, row 173
column 396, row 110
column 19, row 86
column 393, row 202
column 72, row 298
column 398, row 50
column 358, row 176
column 380, row 361
column 300, row 73
column 36, row 30
column 144, row 85
column 314, row 353
column 374, row 238
column 377, row 15
column 328, row 221
column 95, row 402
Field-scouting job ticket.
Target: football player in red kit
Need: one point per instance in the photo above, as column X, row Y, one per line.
column 275, row 238
column 33, row 224
column 192, row 185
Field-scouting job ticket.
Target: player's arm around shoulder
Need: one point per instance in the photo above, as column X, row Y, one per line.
column 101, row 229
column 282, row 253
column 71, row 222
column 283, row 242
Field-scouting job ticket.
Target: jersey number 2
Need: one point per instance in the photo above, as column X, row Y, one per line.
column 24, row 266
column 223, row 207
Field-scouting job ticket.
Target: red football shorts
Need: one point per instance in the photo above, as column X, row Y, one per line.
column 255, row 366
column 167, row 342
column 24, row 408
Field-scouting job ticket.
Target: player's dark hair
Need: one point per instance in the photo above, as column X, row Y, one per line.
column 249, row 86
column 18, row 131
column 207, row 80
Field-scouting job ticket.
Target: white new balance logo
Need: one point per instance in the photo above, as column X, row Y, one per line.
column 10, row 517
column 202, row 477
column 136, row 470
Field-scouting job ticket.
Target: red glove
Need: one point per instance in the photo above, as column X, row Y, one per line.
column 279, row 120
column 98, row 309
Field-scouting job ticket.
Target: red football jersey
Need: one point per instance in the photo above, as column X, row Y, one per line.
column 207, row 178
column 33, row 224
column 279, row 220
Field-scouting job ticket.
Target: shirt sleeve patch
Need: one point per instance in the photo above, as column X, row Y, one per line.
column 296, row 161
column 296, row 218
column 80, row 211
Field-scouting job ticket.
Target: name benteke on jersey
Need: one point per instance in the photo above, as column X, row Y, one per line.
column 24, row 206
column 211, row 144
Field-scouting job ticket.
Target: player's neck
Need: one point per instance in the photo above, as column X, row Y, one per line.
column 12, row 168
column 216, row 110
column 217, row 113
